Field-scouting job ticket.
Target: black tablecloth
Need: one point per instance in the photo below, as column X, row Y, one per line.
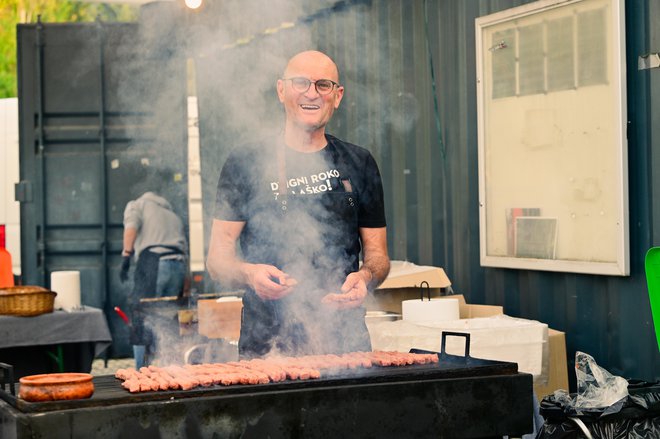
column 54, row 342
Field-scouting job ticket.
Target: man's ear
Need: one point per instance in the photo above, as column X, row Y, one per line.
column 280, row 90
column 338, row 96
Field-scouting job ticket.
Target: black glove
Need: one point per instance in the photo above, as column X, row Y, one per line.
column 125, row 265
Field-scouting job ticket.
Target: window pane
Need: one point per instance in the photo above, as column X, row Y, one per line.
column 532, row 79
column 560, row 54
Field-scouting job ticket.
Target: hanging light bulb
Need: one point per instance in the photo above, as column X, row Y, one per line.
column 193, row 4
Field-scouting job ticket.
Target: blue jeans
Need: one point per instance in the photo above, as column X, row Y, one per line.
column 171, row 275
column 138, row 354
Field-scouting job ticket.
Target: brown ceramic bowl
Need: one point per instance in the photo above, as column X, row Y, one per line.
column 56, row 386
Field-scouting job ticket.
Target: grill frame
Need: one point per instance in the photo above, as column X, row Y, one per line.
column 460, row 396
column 108, row 390
column 482, row 406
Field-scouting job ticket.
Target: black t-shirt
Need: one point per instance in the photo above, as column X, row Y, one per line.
column 252, row 169
column 248, row 190
column 310, row 231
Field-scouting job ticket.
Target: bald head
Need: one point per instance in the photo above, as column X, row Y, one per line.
column 307, row 110
column 312, row 60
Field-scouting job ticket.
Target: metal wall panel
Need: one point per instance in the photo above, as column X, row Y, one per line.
column 607, row 317
column 428, row 157
column 431, row 182
column 101, row 120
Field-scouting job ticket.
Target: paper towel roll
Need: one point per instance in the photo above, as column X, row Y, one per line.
column 434, row 310
column 67, row 286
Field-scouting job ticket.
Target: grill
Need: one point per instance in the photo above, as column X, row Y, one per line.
column 460, row 396
column 172, row 338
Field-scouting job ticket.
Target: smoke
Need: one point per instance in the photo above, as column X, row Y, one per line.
column 239, row 50
column 237, row 74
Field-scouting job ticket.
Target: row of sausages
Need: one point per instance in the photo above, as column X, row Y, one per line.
column 260, row 371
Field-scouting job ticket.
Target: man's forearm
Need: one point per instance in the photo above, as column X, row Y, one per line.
column 376, row 268
column 130, row 235
column 376, row 264
column 228, row 269
column 222, row 263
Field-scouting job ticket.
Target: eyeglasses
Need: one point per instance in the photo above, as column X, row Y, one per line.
column 301, row 85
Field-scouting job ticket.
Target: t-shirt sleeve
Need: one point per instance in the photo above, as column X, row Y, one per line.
column 231, row 195
column 132, row 215
column 372, row 205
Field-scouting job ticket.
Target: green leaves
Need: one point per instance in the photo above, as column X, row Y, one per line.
column 13, row 12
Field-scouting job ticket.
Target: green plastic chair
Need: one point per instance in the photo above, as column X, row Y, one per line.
column 652, row 267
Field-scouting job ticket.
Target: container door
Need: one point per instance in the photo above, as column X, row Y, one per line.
column 102, row 117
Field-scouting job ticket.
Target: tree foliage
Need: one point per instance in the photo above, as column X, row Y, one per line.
column 13, row 12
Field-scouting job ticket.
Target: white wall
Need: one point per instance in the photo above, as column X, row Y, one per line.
column 195, row 189
column 9, row 175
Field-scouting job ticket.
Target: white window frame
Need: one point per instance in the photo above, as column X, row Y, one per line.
column 617, row 261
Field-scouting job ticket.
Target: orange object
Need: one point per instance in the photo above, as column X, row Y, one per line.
column 56, row 386
column 6, row 273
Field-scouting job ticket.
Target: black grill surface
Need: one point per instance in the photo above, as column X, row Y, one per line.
column 108, row 390
column 459, row 397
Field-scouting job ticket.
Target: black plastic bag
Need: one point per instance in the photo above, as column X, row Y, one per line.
column 637, row 416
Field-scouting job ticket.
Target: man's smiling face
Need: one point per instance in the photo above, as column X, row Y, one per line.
column 309, row 110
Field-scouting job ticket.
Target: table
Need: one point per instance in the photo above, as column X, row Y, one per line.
column 60, row 341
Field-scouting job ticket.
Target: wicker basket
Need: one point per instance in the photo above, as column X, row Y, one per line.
column 26, row 301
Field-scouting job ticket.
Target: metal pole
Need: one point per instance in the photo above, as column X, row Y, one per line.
column 41, row 159
column 104, row 177
column 102, row 171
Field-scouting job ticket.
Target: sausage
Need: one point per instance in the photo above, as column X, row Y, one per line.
column 260, row 371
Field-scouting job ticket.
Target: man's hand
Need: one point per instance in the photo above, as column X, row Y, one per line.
column 269, row 282
column 353, row 293
column 125, row 265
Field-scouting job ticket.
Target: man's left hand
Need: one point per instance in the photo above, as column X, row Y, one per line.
column 125, row 265
column 353, row 293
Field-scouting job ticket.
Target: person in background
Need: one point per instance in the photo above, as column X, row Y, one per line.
column 153, row 236
column 303, row 206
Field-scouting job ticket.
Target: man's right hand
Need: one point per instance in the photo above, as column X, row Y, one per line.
column 269, row 282
column 125, row 265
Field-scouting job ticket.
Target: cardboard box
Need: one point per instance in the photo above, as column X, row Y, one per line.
column 220, row 318
column 469, row 311
column 558, row 365
column 404, row 274
column 520, row 340
column 406, row 282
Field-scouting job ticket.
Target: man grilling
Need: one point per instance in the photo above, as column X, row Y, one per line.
column 303, row 205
